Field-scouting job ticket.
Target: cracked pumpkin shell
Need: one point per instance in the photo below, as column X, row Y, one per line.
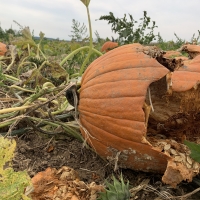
column 112, row 114
column 112, row 96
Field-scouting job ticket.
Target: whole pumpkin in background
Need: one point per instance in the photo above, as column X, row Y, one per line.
column 113, row 114
column 109, row 45
column 3, row 49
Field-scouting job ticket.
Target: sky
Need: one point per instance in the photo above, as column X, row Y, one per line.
column 54, row 18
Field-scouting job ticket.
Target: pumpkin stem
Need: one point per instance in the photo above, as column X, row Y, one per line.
column 90, row 47
column 91, row 43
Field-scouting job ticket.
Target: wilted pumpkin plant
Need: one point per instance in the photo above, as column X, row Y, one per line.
column 90, row 47
column 34, row 74
column 12, row 184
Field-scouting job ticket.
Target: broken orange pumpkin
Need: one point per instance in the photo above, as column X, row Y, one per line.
column 127, row 89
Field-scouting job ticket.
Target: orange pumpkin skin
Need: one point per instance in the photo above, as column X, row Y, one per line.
column 112, row 95
column 109, row 45
column 187, row 76
column 3, row 49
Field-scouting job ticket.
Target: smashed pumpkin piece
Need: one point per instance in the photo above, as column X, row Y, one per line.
column 191, row 49
column 176, row 172
column 63, row 184
column 117, row 92
column 187, row 76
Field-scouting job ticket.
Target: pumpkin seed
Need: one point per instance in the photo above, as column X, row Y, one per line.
column 178, row 158
column 188, row 165
column 183, row 157
column 173, row 152
column 189, row 160
column 167, row 147
column 196, row 165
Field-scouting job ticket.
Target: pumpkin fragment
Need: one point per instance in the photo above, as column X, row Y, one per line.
column 62, row 184
column 191, row 49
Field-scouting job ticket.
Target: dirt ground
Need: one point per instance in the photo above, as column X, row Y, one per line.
column 36, row 152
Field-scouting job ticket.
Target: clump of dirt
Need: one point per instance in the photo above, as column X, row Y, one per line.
column 36, row 152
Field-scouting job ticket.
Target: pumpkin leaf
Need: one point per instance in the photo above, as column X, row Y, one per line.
column 37, row 76
column 12, row 184
column 25, row 40
column 58, row 72
column 195, row 150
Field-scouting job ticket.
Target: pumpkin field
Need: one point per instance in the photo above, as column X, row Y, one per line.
column 99, row 119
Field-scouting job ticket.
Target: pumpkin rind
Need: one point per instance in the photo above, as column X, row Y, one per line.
column 192, row 50
column 112, row 95
column 187, row 76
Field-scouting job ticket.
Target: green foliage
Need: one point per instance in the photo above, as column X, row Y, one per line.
column 98, row 38
column 195, row 150
column 12, row 184
column 174, row 45
column 2, row 77
column 193, row 39
column 55, row 47
column 74, row 63
column 25, row 40
column 125, row 28
column 5, row 34
column 169, row 45
column 118, row 190
column 79, row 32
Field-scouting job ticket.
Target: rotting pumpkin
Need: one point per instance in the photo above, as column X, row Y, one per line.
column 114, row 115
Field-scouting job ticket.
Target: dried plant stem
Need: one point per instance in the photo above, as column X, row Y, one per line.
column 11, row 78
column 65, row 126
column 7, row 110
column 22, row 89
column 184, row 197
